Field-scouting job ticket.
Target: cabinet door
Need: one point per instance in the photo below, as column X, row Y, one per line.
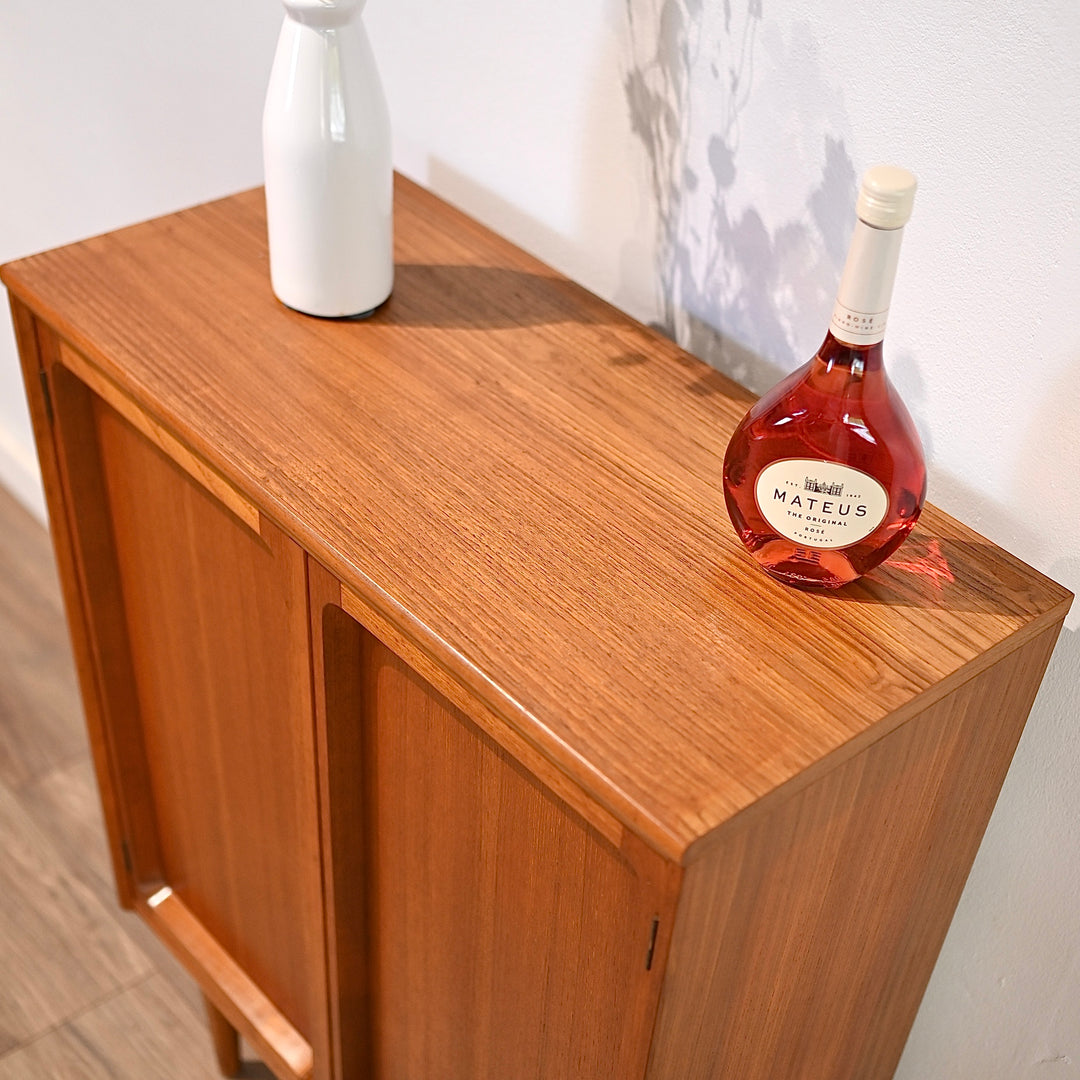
column 197, row 616
column 507, row 936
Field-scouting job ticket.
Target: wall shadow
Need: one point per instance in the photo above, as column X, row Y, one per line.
column 742, row 287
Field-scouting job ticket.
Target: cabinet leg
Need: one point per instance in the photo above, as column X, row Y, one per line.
column 226, row 1040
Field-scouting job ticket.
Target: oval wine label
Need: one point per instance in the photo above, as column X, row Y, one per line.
column 820, row 503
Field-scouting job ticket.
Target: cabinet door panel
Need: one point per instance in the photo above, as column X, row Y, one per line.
column 217, row 628
column 508, row 938
column 193, row 622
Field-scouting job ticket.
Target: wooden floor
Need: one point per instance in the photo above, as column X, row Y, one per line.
column 86, row 992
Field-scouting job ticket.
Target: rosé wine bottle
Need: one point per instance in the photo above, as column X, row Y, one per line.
column 824, row 477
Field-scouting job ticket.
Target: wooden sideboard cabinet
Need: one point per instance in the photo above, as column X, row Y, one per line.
column 443, row 728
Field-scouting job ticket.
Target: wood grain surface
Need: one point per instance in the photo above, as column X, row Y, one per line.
column 167, row 443
column 528, row 483
column 199, row 675
column 234, row 999
column 427, row 665
column 804, row 941
column 225, row 1038
column 336, row 641
column 505, row 936
column 113, row 715
column 216, row 622
column 38, row 355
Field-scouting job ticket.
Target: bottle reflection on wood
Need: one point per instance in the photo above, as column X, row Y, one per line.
column 825, row 477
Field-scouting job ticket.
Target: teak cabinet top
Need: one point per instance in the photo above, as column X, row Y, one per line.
column 526, row 484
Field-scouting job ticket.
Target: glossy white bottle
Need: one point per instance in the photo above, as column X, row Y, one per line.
column 326, row 154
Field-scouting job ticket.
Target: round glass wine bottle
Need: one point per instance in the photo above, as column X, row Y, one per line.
column 825, row 476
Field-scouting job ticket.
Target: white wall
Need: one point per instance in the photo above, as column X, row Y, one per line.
column 112, row 112
column 696, row 164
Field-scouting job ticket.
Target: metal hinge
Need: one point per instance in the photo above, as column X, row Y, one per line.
column 46, row 393
column 652, row 945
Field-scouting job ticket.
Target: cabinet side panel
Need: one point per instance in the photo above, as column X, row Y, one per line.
column 804, row 940
column 216, row 619
column 509, row 938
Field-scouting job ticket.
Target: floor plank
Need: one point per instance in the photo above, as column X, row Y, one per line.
column 65, row 806
column 40, row 709
column 144, row 1033
column 61, row 950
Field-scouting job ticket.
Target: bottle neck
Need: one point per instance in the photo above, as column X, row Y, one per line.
column 862, row 301
column 323, row 14
column 849, row 361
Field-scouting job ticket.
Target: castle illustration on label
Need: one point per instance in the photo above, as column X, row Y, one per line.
column 820, row 488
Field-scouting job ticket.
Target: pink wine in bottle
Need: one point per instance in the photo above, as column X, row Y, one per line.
column 824, row 477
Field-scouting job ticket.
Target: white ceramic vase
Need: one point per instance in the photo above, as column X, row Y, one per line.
column 326, row 154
